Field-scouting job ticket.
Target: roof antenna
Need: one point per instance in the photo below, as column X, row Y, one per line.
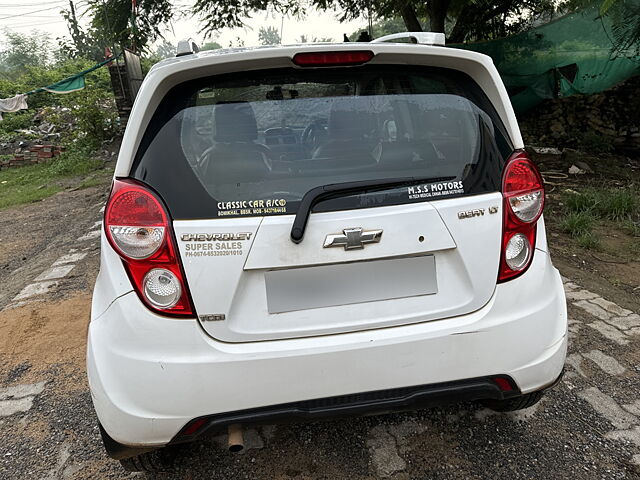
column 345, row 38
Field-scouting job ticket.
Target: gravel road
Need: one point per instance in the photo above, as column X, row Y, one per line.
column 587, row 427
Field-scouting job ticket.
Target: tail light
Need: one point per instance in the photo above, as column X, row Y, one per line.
column 138, row 228
column 332, row 59
column 523, row 193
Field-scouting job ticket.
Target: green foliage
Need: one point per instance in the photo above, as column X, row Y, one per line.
column 22, row 51
column 626, row 27
column 14, row 121
column 36, row 182
column 462, row 20
column 630, row 227
column 581, row 202
column 218, row 14
column 612, row 204
column 269, row 36
column 210, row 46
column 577, row 224
column 589, row 240
column 112, row 23
column 79, row 159
column 618, row 205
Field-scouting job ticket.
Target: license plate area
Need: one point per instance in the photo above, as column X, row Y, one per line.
column 348, row 283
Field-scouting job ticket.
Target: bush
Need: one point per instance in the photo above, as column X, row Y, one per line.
column 96, row 116
column 15, row 121
column 79, row 159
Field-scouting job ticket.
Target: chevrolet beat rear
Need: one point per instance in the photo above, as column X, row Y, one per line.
column 303, row 232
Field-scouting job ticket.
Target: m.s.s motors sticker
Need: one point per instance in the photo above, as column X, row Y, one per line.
column 434, row 190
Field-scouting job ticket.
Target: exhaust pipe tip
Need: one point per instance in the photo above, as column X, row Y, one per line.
column 236, row 448
column 235, row 438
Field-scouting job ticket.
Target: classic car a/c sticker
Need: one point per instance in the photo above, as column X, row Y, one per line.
column 252, row 207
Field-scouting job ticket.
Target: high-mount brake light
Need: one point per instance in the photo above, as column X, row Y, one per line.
column 332, row 59
column 138, row 228
column 523, row 193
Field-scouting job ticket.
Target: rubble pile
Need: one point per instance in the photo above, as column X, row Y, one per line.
column 38, row 143
column 31, row 155
column 611, row 117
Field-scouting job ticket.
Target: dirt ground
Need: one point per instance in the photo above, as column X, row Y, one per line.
column 587, row 427
column 614, row 269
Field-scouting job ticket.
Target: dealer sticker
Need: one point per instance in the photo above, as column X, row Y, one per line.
column 434, row 190
column 252, row 207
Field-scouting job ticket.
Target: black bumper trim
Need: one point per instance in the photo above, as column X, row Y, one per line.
column 376, row 402
column 379, row 401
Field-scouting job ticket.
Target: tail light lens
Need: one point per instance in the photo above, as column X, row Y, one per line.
column 332, row 59
column 523, row 192
column 138, row 228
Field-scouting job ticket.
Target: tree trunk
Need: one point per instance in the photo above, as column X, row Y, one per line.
column 437, row 14
column 461, row 27
column 409, row 16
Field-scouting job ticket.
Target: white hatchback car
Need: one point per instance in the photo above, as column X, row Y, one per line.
column 312, row 231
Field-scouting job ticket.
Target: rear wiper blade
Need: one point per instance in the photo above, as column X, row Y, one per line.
column 335, row 190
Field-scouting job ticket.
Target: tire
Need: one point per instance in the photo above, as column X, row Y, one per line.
column 513, row 404
column 157, row 461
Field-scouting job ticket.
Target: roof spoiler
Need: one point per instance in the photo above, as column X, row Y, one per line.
column 187, row 47
column 422, row 38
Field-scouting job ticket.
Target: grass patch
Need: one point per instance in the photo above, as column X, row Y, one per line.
column 577, row 224
column 25, row 185
column 36, row 182
column 631, row 228
column 610, row 208
column 618, row 204
column 98, row 178
column 589, row 240
column 578, row 202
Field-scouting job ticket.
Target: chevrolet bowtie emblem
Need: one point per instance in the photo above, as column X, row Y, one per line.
column 352, row 238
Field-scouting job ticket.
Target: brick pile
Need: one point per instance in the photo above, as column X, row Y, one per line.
column 33, row 155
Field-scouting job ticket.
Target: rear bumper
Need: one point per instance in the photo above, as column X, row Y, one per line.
column 150, row 376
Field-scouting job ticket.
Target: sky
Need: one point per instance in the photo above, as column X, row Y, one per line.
column 27, row 15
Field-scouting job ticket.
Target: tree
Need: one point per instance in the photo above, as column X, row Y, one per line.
column 114, row 22
column 305, row 39
column 211, row 46
column 463, row 20
column 269, row 36
column 625, row 17
column 22, row 51
column 165, row 50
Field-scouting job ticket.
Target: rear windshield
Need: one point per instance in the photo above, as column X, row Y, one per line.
column 253, row 143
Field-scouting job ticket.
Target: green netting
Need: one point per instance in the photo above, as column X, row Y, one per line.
column 571, row 55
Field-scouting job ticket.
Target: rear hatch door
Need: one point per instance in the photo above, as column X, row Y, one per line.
column 234, row 155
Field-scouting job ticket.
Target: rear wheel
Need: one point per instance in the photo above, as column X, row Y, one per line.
column 157, row 461
column 513, row 404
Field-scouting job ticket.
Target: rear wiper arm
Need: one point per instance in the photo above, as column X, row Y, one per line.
column 334, row 190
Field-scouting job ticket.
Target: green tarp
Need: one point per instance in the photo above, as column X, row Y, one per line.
column 74, row 82
column 571, row 55
column 68, row 85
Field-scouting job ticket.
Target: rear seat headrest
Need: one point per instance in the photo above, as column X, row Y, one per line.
column 234, row 122
column 352, row 119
